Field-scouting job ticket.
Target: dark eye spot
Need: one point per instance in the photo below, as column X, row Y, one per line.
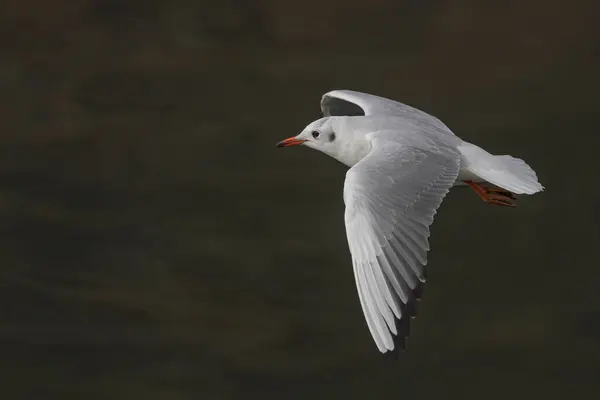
column 315, row 134
column 331, row 137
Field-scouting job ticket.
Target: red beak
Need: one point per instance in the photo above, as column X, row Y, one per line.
column 290, row 142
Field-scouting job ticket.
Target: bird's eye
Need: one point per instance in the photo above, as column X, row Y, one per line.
column 331, row 137
column 315, row 134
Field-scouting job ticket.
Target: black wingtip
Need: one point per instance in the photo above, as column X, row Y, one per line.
column 403, row 325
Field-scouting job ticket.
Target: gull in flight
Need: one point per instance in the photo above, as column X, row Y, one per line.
column 402, row 163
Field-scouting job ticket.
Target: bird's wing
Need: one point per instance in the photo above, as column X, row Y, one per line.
column 351, row 103
column 391, row 196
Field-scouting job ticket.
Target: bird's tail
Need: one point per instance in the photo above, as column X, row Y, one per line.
column 515, row 176
column 506, row 172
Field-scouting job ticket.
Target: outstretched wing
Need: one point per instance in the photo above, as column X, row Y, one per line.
column 391, row 196
column 351, row 103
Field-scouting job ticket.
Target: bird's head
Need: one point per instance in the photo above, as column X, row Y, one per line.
column 320, row 135
column 330, row 135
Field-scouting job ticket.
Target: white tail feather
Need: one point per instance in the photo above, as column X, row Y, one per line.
column 506, row 172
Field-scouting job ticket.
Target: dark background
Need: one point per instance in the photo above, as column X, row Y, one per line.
column 155, row 244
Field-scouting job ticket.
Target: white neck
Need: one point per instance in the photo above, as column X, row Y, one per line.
column 353, row 143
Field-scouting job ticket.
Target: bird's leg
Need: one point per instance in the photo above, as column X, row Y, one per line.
column 499, row 197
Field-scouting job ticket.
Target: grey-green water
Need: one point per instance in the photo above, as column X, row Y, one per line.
column 155, row 244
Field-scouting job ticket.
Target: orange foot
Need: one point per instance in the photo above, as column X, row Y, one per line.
column 499, row 197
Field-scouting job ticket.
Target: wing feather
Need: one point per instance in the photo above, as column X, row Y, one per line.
column 391, row 197
column 352, row 103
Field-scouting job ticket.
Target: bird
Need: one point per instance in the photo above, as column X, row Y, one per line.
column 402, row 163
